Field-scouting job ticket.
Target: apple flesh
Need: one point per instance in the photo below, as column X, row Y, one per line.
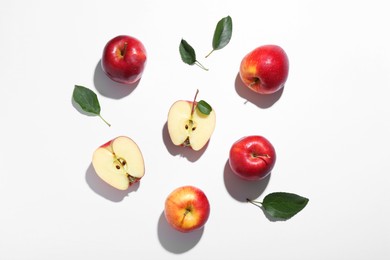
column 187, row 126
column 265, row 69
column 119, row 162
column 252, row 157
column 124, row 59
column 187, row 209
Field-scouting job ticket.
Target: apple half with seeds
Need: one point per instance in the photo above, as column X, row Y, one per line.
column 119, row 162
column 191, row 123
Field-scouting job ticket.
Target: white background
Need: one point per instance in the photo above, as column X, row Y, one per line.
column 330, row 127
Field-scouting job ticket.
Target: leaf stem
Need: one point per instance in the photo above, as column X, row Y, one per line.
column 209, row 53
column 254, row 202
column 201, row 66
column 104, row 120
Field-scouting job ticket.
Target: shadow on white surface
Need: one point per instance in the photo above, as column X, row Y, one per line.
column 103, row 189
column 241, row 189
column 109, row 88
column 262, row 101
column 182, row 151
column 174, row 241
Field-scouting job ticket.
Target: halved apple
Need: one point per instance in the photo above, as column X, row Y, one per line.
column 188, row 126
column 119, row 162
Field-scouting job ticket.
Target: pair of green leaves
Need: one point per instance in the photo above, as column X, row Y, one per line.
column 88, row 101
column 222, row 35
column 281, row 205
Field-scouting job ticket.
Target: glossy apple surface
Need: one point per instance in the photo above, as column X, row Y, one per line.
column 124, row 59
column 265, row 69
column 119, row 162
column 252, row 157
column 189, row 127
column 187, row 209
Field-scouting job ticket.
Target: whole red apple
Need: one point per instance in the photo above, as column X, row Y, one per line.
column 252, row 157
column 187, row 209
column 124, row 59
column 265, row 69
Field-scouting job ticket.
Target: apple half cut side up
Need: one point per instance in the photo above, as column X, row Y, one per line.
column 187, row 126
column 119, row 162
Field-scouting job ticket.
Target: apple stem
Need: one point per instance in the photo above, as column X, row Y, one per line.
column 209, row 53
column 262, row 156
column 104, row 120
column 201, row 66
column 193, row 103
column 185, row 214
column 123, row 52
column 256, row 203
column 253, row 82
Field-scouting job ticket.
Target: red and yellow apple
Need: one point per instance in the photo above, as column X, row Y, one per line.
column 265, row 69
column 124, row 59
column 188, row 126
column 252, row 157
column 187, row 209
column 119, row 162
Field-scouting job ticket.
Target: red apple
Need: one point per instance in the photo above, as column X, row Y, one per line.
column 252, row 157
column 265, row 69
column 124, row 59
column 187, row 209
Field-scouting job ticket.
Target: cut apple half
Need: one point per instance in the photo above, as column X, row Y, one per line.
column 187, row 126
column 119, row 162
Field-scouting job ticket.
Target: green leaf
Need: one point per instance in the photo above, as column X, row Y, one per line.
column 187, row 52
column 283, row 205
column 87, row 100
column 188, row 55
column 204, row 107
column 222, row 33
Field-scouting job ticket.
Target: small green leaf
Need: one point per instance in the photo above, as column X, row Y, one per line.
column 222, row 34
column 188, row 55
column 283, row 205
column 187, row 52
column 87, row 100
column 204, row 107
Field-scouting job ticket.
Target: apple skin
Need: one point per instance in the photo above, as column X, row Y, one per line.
column 252, row 157
column 265, row 69
column 187, row 209
column 124, row 59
